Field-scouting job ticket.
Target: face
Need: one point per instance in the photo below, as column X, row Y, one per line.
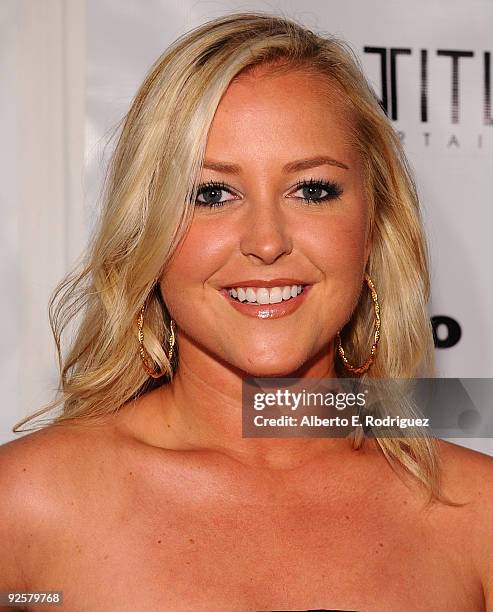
column 282, row 206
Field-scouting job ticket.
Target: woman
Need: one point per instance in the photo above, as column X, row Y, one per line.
column 258, row 204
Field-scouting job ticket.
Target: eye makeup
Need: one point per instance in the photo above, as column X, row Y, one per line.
column 312, row 189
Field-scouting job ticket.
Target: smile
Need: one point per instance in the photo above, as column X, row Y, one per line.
column 266, row 302
column 264, row 295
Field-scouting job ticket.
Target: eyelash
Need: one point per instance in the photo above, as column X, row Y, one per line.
column 334, row 190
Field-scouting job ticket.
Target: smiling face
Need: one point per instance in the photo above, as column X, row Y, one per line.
column 266, row 218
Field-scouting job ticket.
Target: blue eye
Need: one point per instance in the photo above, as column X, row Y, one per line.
column 313, row 190
column 211, row 194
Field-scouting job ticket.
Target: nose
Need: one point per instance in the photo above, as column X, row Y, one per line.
column 266, row 236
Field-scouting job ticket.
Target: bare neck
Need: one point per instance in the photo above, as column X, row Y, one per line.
column 201, row 410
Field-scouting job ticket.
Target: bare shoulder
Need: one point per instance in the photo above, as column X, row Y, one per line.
column 56, row 451
column 39, row 473
column 468, row 478
column 466, row 471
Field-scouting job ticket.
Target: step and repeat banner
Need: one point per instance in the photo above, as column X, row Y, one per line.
column 430, row 63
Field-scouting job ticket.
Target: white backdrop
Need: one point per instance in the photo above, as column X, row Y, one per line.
column 437, row 56
column 42, row 98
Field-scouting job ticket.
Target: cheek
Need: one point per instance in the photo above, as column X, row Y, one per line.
column 198, row 256
column 338, row 244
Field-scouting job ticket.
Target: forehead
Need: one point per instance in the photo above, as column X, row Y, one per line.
column 265, row 112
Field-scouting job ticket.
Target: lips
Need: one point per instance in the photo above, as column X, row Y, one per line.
column 263, row 295
column 268, row 283
column 279, row 308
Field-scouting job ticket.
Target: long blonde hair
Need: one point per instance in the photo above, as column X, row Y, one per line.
column 148, row 205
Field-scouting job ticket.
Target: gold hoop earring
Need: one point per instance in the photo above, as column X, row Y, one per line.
column 376, row 306
column 142, row 351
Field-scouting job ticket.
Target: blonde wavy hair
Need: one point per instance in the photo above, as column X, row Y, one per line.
column 147, row 211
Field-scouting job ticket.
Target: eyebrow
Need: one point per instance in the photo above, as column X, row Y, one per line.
column 294, row 166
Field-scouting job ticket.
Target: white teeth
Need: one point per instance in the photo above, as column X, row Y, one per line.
column 286, row 293
column 251, row 294
column 263, row 295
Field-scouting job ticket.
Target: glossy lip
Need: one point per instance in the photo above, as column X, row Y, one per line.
column 275, row 282
column 268, row 311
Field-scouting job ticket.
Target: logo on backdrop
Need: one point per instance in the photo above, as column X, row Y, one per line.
column 446, row 331
column 457, row 62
